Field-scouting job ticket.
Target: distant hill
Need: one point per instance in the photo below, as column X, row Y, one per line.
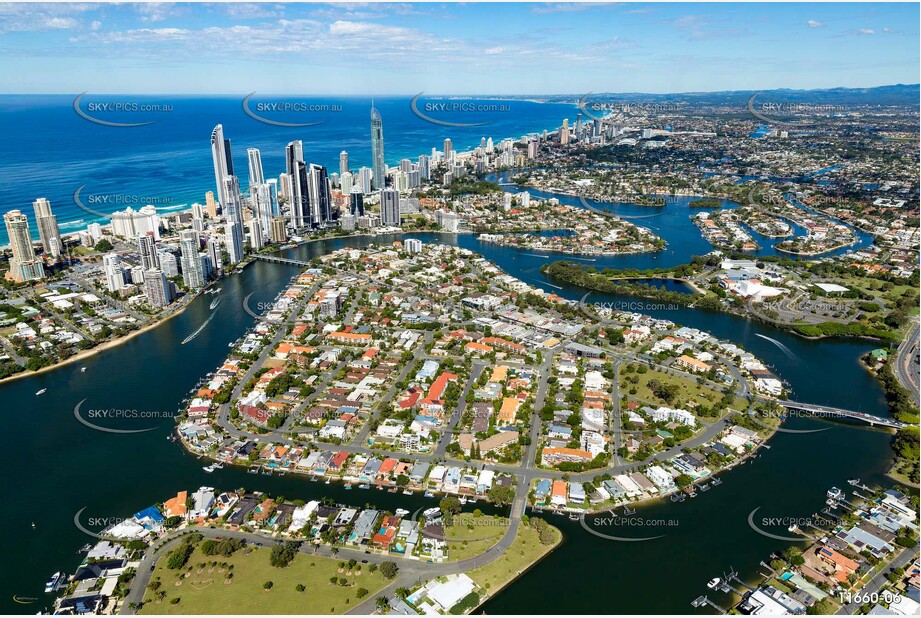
column 896, row 94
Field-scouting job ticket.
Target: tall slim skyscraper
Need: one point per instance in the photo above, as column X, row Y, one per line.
column 233, row 239
column 223, row 161
column 364, row 180
column 210, row 205
column 191, row 264
column 48, row 229
column 299, row 193
column 255, row 166
column 345, row 183
column 233, row 215
column 378, row 166
column 320, row 203
column 23, row 265
column 356, row 202
column 390, row 208
column 147, row 248
column 343, row 163
column 157, row 288
column 449, row 150
column 424, row 166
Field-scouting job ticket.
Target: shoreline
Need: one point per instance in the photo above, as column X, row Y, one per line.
column 102, row 347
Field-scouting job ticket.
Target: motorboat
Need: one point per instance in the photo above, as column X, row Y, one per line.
column 835, row 494
column 54, row 582
column 41, row 392
column 713, row 583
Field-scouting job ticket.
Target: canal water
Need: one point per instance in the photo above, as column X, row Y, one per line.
column 56, row 466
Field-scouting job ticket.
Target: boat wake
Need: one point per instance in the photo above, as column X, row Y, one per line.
column 198, row 330
column 787, row 351
column 215, row 303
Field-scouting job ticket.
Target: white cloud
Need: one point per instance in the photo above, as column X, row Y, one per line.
column 812, row 23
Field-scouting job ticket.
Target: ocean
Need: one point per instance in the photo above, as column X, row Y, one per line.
column 50, row 150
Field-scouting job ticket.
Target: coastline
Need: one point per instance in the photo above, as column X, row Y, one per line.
column 107, row 345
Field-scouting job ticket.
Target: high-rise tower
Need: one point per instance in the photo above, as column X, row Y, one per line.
column 379, row 169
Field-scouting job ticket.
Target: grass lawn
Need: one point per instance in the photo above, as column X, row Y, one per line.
column 470, row 536
column 206, row 591
column 525, row 551
column 690, row 391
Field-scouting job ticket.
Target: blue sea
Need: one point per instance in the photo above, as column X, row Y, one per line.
column 50, row 150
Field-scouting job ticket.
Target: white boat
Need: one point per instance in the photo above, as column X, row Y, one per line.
column 41, row 392
column 792, row 528
column 209, row 469
column 54, row 582
column 713, row 583
column 835, row 494
column 82, row 369
column 214, row 303
column 401, row 513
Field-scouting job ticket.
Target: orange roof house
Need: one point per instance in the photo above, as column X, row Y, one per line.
column 176, row 506
column 437, row 389
column 479, row 348
column 352, row 338
column 509, row 409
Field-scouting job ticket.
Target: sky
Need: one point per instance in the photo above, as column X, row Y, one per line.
column 443, row 48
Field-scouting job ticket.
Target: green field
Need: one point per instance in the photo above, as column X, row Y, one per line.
column 470, row 536
column 689, row 392
column 210, row 591
column 524, row 552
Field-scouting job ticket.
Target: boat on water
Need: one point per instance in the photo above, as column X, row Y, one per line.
column 392, row 490
column 429, row 494
column 85, row 549
column 853, row 482
column 210, row 469
column 327, row 482
column 713, row 583
column 406, row 492
column 41, row 392
column 716, row 482
column 629, row 511
column 574, row 516
column 54, row 582
column 835, row 494
column 348, row 487
column 693, row 494
column 401, row 513
column 704, row 487
column 82, row 369
column 214, row 303
column 675, row 497
column 253, row 470
column 462, row 500
column 364, row 486
column 792, row 528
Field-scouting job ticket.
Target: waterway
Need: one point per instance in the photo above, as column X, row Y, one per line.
column 56, row 466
